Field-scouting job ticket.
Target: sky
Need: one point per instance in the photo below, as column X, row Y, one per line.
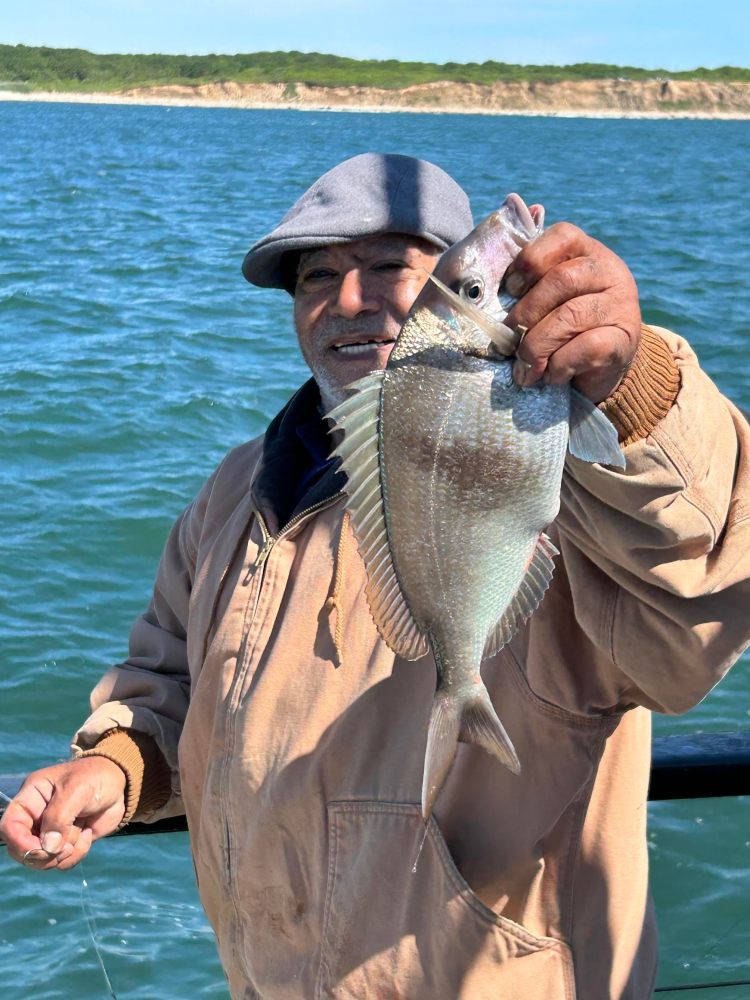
column 668, row 34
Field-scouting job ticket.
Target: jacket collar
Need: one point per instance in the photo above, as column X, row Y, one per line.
column 295, row 439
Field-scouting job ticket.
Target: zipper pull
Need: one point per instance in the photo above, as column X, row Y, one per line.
column 263, row 553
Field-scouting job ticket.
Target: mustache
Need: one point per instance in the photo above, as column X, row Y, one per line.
column 363, row 326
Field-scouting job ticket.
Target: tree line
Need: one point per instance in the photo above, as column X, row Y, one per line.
column 42, row 68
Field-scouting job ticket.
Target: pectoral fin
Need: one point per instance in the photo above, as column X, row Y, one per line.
column 592, row 437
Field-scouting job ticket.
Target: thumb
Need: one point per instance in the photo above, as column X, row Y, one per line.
column 85, row 792
column 57, row 824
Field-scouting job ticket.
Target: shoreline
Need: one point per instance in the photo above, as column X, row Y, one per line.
column 237, row 103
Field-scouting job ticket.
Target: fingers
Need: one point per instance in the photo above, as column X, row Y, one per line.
column 72, row 851
column 60, row 810
column 580, row 309
column 19, row 827
column 70, row 858
column 595, row 362
column 564, row 282
column 73, row 796
column 570, row 320
column 61, row 846
column 88, row 802
column 39, row 860
column 559, row 243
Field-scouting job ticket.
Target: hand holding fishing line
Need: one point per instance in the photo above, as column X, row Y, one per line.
column 578, row 303
column 60, row 810
column 85, row 907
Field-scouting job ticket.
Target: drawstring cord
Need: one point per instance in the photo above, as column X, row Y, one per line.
column 334, row 602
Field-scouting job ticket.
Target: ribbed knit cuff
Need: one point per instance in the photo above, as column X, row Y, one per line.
column 647, row 391
column 147, row 772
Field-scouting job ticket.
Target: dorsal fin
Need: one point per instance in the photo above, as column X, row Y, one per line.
column 358, row 420
column 526, row 599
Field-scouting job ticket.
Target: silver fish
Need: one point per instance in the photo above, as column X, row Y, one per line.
column 453, row 474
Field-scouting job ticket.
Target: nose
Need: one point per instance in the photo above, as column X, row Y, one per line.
column 354, row 296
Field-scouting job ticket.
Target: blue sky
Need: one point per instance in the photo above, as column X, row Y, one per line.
column 673, row 34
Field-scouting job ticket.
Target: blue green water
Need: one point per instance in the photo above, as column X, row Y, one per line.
column 133, row 355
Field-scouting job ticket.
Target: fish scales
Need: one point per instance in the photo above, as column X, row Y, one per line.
column 468, row 495
column 468, row 468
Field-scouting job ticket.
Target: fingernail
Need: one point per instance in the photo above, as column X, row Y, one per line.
column 521, row 371
column 36, row 857
column 514, row 285
column 51, row 842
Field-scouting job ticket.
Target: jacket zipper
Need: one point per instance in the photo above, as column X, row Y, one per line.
column 257, row 566
column 268, row 543
column 270, row 540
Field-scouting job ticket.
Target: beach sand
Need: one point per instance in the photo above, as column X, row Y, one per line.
column 356, row 99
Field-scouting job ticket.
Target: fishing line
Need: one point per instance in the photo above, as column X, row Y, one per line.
column 419, row 852
column 91, row 924
column 701, row 986
column 8, row 800
column 88, row 916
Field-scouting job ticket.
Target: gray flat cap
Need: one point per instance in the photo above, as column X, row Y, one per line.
column 367, row 195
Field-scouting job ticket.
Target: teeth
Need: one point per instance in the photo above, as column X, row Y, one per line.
column 354, row 349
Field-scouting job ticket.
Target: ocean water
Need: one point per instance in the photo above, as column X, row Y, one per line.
column 133, row 355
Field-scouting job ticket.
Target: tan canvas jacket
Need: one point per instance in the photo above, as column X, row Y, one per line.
column 296, row 740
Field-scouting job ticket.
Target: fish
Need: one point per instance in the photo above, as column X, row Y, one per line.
column 453, row 474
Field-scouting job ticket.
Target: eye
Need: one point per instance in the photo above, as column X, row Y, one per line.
column 316, row 275
column 389, row 265
column 472, row 289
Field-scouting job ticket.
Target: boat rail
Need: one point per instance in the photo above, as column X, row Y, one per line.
column 689, row 766
column 692, row 766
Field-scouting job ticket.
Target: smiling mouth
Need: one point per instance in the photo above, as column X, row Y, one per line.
column 361, row 346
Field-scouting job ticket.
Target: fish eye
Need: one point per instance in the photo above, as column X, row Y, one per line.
column 473, row 289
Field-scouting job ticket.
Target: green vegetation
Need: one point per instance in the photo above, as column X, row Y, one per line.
column 37, row 68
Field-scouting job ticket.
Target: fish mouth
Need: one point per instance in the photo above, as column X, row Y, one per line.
column 361, row 346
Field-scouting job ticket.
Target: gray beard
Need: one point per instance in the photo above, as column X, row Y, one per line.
column 331, row 392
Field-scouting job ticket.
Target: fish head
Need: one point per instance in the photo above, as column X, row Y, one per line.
column 463, row 293
column 475, row 266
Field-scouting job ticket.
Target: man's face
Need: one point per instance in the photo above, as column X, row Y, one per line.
column 350, row 302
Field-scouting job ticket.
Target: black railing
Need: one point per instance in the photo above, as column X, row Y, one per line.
column 698, row 766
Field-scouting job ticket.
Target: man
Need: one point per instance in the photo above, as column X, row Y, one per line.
column 301, row 736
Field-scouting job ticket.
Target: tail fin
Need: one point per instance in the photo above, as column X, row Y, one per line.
column 455, row 719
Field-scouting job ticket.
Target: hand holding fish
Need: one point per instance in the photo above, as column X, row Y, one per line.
column 61, row 809
column 579, row 303
column 454, row 472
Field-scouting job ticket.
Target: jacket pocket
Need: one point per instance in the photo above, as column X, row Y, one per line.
column 393, row 933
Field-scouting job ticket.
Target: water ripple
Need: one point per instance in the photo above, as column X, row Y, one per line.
column 133, row 355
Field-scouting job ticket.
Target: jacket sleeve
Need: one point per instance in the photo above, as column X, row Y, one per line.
column 658, row 555
column 139, row 706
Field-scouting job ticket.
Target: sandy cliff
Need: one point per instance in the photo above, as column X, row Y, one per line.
column 657, row 97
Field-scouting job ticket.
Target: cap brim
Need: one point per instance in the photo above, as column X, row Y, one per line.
column 262, row 264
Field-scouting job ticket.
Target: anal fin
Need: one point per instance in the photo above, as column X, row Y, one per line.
column 526, row 599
